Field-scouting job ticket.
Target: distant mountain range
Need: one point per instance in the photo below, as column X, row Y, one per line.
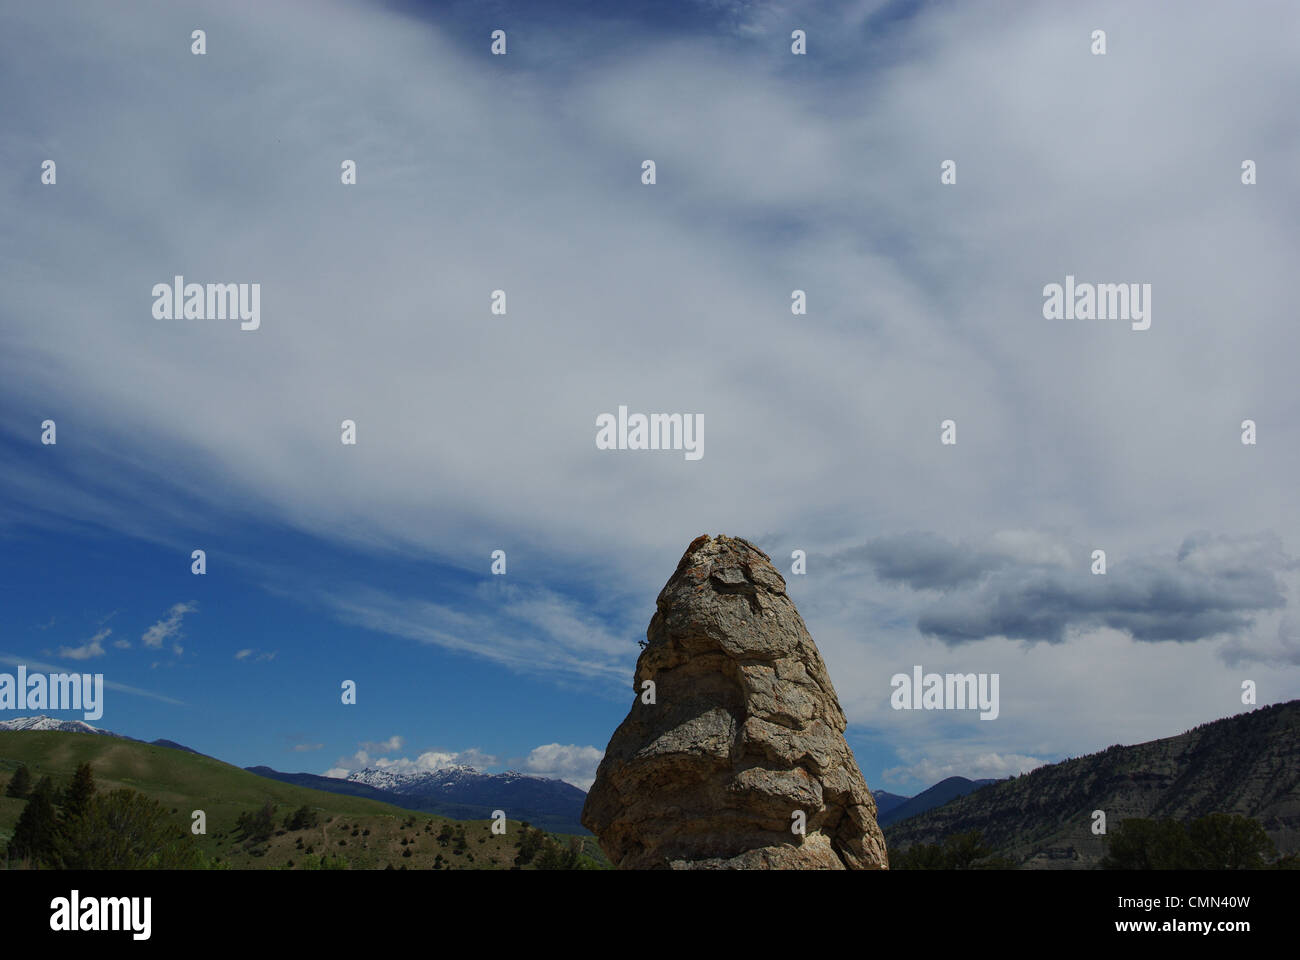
column 1247, row 765
column 936, row 796
column 459, row 792
column 886, row 801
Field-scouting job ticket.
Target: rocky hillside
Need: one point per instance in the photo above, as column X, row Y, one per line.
column 1247, row 764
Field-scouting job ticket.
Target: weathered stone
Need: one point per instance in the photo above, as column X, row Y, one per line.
column 745, row 732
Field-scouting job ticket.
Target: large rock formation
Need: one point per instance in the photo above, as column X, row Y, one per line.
column 745, row 731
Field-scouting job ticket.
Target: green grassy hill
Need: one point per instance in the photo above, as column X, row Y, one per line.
column 364, row 833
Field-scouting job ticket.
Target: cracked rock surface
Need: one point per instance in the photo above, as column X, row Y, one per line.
column 745, row 731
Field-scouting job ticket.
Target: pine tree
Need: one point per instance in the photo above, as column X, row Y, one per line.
column 257, row 826
column 79, row 793
column 21, row 784
column 304, row 818
column 36, row 831
column 125, row 830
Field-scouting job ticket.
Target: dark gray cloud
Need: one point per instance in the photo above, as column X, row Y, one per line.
column 922, row 561
column 1212, row 586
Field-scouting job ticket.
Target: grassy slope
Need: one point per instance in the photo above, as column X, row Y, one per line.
column 185, row 782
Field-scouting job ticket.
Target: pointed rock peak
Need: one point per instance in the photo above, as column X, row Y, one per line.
column 729, row 561
column 733, row 755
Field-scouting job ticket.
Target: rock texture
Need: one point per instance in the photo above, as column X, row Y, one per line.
column 744, row 731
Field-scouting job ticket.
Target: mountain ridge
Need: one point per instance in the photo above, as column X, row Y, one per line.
column 460, row 792
column 942, row 792
column 1247, row 764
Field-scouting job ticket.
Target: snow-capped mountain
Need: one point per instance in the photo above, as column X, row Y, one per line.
column 382, row 779
column 460, row 792
column 449, row 781
column 49, row 723
column 43, row 723
column 520, row 795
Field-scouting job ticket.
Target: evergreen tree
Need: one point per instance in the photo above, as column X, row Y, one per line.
column 919, row 856
column 961, row 850
column 550, row 857
column 304, row 818
column 558, row 856
column 36, row 831
column 530, row 843
column 1141, row 844
column 1218, row 841
column 1229, row 842
column 257, row 826
column 21, row 784
column 125, row 830
column 80, row 792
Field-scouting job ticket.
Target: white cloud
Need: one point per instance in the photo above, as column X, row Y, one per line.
column 307, row 747
column 569, row 762
column 94, row 647
column 169, row 626
column 426, row 762
column 983, row 766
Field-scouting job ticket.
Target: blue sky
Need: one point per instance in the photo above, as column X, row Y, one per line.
column 475, row 432
column 246, row 661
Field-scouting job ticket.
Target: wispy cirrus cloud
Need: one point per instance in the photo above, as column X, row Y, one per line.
column 526, row 628
column 108, row 684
